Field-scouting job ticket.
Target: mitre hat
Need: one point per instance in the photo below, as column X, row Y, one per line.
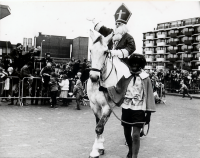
column 122, row 14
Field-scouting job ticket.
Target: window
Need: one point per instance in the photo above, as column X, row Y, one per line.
column 4, row 50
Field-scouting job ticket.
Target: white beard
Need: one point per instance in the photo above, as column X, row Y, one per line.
column 116, row 37
column 119, row 32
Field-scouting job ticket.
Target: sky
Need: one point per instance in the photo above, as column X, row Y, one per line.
column 69, row 18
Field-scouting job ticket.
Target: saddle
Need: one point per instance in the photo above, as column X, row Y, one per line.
column 117, row 93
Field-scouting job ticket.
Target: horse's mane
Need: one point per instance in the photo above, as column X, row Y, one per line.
column 99, row 39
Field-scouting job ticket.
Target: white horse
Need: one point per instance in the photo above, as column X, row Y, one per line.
column 102, row 73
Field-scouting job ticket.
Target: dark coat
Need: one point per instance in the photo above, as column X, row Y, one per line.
column 53, row 84
column 127, row 42
column 15, row 79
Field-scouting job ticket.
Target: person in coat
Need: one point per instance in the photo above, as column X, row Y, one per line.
column 53, row 83
column 64, row 85
column 137, row 103
column 14, row 82
column 78, row 93
column 24, row 73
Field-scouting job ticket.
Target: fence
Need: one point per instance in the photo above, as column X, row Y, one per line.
column 2, row 84
column 172, row 86
column 12, row 85
column 29, row 88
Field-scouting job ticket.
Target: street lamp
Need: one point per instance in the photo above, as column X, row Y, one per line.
column 41, row 54
column 41, row 47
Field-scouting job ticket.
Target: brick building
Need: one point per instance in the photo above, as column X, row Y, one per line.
column 5, row 48
column 62, row 48
column 80, row 48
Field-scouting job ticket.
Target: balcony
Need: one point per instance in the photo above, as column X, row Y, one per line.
column 173, row 51
column 188, row 50
column 188, row 42
column 148, row 67
column 149, row 59
column 161, row 44
column 161, row 51
column 189, row 33
column 187, row 59
column 160, row 59
column 161, row 36
column 173, row 35
column 150, row 37
column 172, row 59
column 149, row 52
column 187, row 67
column 160, row 67
column 174, row 43
column 149, row 45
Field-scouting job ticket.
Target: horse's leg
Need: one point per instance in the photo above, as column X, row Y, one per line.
column 100, row 128
column 96, row 146
column 106, row 111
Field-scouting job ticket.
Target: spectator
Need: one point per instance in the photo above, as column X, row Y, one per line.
column 53, row 89
column 14, row 82
column 7, row 62
column 184, row 88
column 46, row 73
column 3, row 76
column 17, row 57
column 57, row 69
column 25, row 72
column 78, row 75
column 48, row 59
column 85, row 71
column 69, row 72
column 64, row 84
column 78, row 93
column 76, row 67
column 36, row 87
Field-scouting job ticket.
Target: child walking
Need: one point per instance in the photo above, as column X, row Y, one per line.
column 78, row 93
column 64, row 85
column 53, row 89
column 184, row 88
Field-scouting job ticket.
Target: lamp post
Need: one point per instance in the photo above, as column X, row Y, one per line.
column 41, row 54
column 41, row 47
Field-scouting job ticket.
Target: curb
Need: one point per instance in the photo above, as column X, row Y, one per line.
column 180, row 95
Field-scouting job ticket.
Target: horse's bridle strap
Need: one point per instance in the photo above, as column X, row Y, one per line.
column 94, row 69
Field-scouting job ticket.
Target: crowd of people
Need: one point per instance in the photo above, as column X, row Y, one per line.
column 173, row 80
column 29, row 75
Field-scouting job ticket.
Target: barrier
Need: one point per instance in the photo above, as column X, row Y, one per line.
column 27, row 84
column 2, row 84
column 14, row 92
column 172, row 86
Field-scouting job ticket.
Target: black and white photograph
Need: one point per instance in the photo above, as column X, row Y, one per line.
column 99, row 79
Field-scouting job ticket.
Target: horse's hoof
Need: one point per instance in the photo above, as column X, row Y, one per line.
column 101, row 151
column 94, row 157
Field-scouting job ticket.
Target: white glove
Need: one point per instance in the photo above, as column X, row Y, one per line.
column 121, row 53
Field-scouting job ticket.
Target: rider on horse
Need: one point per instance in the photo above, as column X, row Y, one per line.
column 122, row 44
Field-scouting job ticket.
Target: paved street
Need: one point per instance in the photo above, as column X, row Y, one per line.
column 41, row 132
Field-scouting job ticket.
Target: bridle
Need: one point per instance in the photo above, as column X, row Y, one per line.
column 104, row 65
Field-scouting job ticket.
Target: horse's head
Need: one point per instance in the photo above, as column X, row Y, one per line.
column 98, row 54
